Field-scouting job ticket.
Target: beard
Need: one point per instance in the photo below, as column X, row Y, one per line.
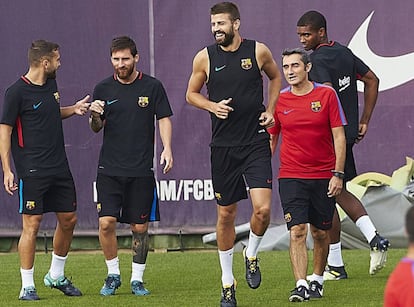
column 51, row 75
column 227, row 40
column 124, row 73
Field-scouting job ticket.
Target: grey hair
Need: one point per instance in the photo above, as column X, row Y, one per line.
column 304, row 56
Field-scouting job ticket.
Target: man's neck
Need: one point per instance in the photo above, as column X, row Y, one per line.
column 131, row 78
column 410, row 252
column 237, row 40
column 36, row 76
column 302, row 88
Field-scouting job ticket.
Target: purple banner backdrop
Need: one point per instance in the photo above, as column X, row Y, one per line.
column 168, row 35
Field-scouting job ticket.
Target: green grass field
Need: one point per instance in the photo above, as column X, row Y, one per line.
column 193, row 279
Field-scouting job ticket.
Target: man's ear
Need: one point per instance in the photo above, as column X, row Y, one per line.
column 236, row 24
column 308, row 67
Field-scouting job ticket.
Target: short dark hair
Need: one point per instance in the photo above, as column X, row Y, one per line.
column 39, row 49
column 304, row 56
column 409, row 224
column 314, row 19
column 123, row 42
column 226, row 8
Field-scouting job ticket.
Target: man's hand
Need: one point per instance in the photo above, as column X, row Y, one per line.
column 362, row 130
column 97, row 107
column 266, row 119
column 166, row 157
column 221, row 109
column 9, row 185
column 82, row 106
column 335, row 186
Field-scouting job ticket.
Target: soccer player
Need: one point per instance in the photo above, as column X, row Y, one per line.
column 232, row 71
column 336, row 66
column 310, row 120
column 126, row 106
column 31, row 129
column 399, row 288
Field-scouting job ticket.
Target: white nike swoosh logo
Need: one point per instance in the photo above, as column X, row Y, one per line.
column 111, row 101
column 287, row 111
column 219, row 68
column 383, row 67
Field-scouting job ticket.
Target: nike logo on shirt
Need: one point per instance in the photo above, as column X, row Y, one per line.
column 37, row 105
column 287, row 111
column 219, row 68
column 111, row 101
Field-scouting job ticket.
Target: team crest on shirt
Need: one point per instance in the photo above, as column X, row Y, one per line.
column 246, row 64
column 316, row 106
column 218, row 195
column 30, row 204
column 288, row 217
column 98, row 207
column 57, row 97
column 143, row 101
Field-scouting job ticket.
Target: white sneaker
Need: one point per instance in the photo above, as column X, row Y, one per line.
column 379, row 247
column 378, row 259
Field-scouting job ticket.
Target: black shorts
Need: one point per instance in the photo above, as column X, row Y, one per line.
column 306, row 201
column 234, row 167
column 350, row 168
column 38, row 195
column 131, row 200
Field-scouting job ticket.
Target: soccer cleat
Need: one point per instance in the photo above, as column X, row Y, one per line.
column 334, row 273
column 253, row 275
column 138, row 288
column 299, row 294
column 28, row 294
column 378, row 253
column 63, row 284
column 315, row 289
column 112, row 282
column 228, row 296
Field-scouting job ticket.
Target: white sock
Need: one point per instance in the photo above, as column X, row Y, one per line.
column 317, row 278
column 335, row 255
column 57, row 266
column 302, row 282
column 137, row 271
column 253, row 245
column 366, row 226
column 226, row 263
column 27, row 277
column 113, row 266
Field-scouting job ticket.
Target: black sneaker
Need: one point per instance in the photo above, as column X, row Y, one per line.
column 315, row 289
column 379, row 248
column 228, row 296
column 253, row 275
column 334, row 273
column 63, row 284
column 29, row 294
column 299, row 294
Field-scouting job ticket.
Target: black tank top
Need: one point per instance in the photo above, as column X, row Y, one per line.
column 236, row 75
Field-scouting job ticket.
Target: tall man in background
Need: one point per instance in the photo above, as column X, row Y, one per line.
column 335, row 65
column 126, row 106
column 232, row 71
column 31, row 128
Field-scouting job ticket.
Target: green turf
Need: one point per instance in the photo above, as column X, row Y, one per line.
column 193, row 279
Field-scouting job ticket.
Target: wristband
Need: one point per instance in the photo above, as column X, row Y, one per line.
column 339, row 174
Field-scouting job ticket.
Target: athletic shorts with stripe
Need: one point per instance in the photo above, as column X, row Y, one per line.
column 38, row 195
column 131, row 200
